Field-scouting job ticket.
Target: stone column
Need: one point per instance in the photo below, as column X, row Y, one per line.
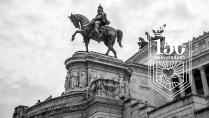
column 183, row 92
column 193, row 84
column 204, row 81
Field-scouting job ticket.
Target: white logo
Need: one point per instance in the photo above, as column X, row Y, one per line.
column 169, row 63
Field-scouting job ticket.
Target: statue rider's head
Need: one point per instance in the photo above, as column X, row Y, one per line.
column 100, row 9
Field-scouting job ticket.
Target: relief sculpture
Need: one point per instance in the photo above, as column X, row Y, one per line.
column 124, row 86
column 92, row 76
column 83, row 79
column 74, row 78
column 66, row 83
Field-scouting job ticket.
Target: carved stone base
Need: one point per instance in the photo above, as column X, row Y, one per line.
column 109, row 75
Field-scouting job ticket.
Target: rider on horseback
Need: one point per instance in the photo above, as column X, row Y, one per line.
column 100, row 19
column 108, row 34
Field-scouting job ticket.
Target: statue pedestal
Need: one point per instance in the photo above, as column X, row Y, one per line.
column 98, row 74
column 93, row 86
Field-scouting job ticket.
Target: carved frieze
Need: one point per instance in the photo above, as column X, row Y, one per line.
column 98, row 74
column 94, row 75
column 76, row 78
column 83, row 79
column 114, row 88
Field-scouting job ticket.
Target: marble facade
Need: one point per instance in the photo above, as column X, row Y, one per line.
column 100, row 86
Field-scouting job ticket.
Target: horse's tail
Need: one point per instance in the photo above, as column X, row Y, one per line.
column 119, row 37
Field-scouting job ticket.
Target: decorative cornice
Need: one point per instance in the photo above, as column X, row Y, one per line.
column 82, row 56
column 200, row 37
column 55, row 110
column 69, row 95
column 177, row 100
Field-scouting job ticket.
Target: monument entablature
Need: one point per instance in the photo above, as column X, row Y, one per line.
column 82, row 56
column 73, row 102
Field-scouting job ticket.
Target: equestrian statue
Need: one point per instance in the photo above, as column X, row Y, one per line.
column 142, row 43
column 97, row 29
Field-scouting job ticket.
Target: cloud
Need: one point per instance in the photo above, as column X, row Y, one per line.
column 15, row 93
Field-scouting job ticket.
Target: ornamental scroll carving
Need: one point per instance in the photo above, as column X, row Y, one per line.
column 94, row 75
column 113, row 88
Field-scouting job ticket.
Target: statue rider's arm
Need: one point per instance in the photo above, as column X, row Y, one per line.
column 99, row 17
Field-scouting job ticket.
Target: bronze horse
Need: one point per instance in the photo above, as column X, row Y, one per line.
column 87, row 31
column 142, row 42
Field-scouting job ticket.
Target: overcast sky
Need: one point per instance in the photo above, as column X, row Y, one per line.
column 35, row 39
